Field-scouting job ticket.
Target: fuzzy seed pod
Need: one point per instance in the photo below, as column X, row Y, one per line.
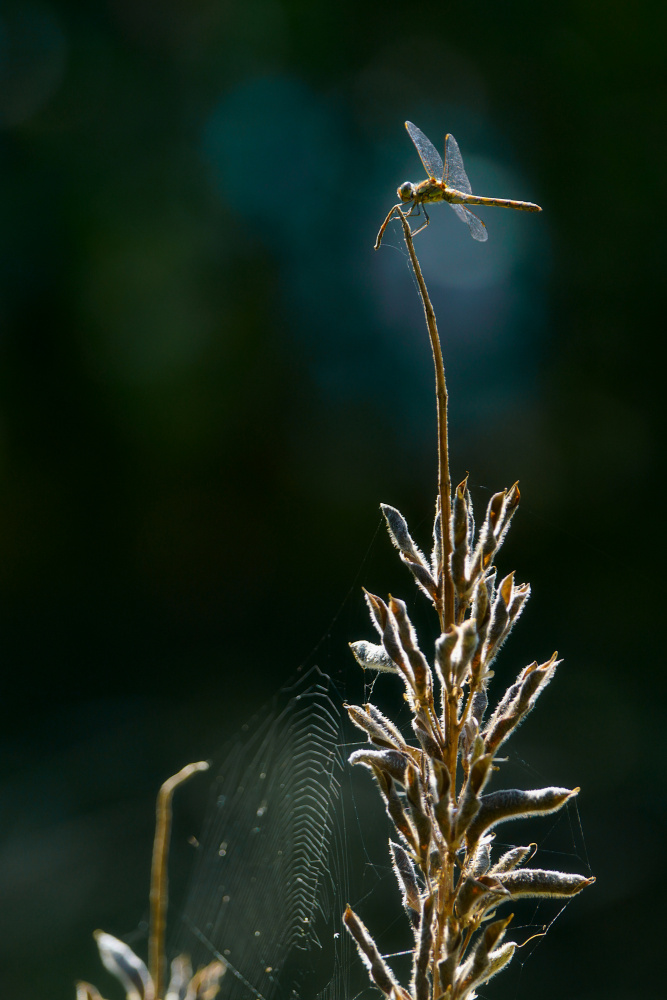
column 436, row 553
column 464, row 651
column 538, row 882
column 481, row 861
column 512, row 859
column 399, row 817
column 518, row 701
column 406, row 877
column 180, row 976
column 379, row 729
column 418, row 810
column 460, row 539
column 428, row 743
column 511, row 803
column 119, row 959
column 412, row 556
column 444, row 648
column 391, row 761
column 378, row 610
column 372, row 657
column 482, row 964
column 477, row 894
column 379, row 971
column 86, row 991
column 397, row 527
column 421, row 985
column 469, row 801
column 421, row 672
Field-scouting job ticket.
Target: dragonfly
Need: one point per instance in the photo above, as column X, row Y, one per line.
column 448, row 182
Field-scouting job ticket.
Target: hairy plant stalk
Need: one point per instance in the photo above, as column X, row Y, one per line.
column 433, row 785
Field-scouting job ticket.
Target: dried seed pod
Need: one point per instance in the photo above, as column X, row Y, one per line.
column 378, row 610
column 412, row 556
column 497, row 629
column 469, row 801
column 464, row 651
column 379, row 730
column 444, row 648
column 205, row 984
column 510, row 504
column 447, row 967
column 391, row 761
column 421, row 672
column 482, row 603
column 436, row 553
column 372, row 657
column 494, row 527
column 538, row 882
column 421, row 984
column 475, row 894
column 480, row 701
column 86, row 991
column 481, row 861
column 446, row 970
column 486, row 544
column 397, row 527
column 119, row 959
column 428, row 742
column 395, row 651
column 179, row 979
column 519, row 597
column 406, row 876
column 443, row 779
column 512, row 859
column 469, row 740
column 379, row 971
column 518, row 701
column 418, row 810
column 482, row 964
column 460, row 539
column 487, row 967
column 511, row 803
column 507, row 607
column 398, row 815
column 383, row 721
column 441, row 799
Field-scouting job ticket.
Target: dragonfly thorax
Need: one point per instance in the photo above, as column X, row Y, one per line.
column 406, row 191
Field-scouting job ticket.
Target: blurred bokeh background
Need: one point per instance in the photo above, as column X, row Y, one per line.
column 209, row 381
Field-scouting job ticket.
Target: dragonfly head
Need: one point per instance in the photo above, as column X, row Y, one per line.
column 406, row 192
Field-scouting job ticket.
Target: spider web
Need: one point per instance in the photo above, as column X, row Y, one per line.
column 271, row 881
column 283, row 830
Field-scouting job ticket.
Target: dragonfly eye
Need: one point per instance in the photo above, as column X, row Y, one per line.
column 406, row 192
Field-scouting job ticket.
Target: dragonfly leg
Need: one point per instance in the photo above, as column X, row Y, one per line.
column 428, row 221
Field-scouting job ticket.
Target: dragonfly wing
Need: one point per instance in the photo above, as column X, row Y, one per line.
column 428, row 154
column 455, row 175
column 476, row 226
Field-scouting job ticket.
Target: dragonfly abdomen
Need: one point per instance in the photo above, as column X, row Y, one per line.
column 474, row 199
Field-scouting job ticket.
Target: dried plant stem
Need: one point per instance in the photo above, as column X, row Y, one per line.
column 434, row 788
column 445, row 583
column 159, row 877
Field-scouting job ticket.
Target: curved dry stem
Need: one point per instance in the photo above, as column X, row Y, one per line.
column 159, row 876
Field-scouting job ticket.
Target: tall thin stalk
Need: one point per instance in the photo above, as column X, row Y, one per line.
column 444, row 581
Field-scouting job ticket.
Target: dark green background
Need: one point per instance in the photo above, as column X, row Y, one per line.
column 210, row 381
